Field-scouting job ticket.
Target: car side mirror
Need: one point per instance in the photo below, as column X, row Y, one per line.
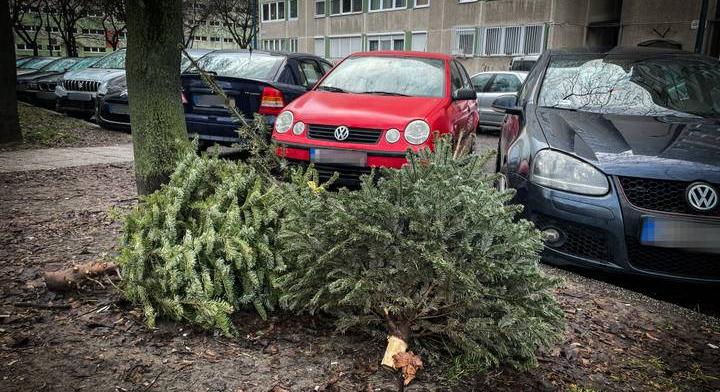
column 507, row 104
column 464, row 94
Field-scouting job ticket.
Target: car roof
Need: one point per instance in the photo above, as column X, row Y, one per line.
column 524, row 73
column 632, row 51
column 404, row 53
column 265, row 52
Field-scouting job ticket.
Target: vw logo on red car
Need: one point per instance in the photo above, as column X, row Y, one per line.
column 341, row 133
column 369, row 109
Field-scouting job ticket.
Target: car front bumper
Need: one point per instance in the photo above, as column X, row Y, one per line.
column 348, row 175
column 113, row 114
column 604, row 232
column 77, row 102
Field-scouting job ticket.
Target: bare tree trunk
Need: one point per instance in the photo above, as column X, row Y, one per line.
column 9, row 124
column 155, row 33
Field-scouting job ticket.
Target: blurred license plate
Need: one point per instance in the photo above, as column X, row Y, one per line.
column 73, row 96
column 211, row 100
column 338, row 157
column 685, row 234
column 119, row 109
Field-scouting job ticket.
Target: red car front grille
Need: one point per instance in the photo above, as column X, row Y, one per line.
column 357, row 135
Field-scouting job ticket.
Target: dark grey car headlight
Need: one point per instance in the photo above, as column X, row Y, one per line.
column 556, row 170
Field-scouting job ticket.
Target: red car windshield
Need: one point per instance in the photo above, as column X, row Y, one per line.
column 387, row 75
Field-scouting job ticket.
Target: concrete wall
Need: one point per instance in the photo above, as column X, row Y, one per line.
column 566, row 23
column 644, row 20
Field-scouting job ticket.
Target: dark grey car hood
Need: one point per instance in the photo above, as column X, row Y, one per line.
column 674, row 148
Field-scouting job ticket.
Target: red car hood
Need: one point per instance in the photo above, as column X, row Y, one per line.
column 361, row 110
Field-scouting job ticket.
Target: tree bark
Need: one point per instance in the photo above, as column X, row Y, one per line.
column 155, row 33
column 9, row 123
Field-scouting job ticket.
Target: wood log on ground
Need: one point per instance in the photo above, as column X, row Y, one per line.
column 70, row 278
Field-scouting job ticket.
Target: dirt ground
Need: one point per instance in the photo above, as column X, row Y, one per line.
column 44, row 128
column 92, row 341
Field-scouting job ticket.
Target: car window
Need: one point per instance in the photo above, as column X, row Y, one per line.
column 480, row 82
column 38, row 63
column 241, row 65
column 60, row 65
column 467, row 83
column 310, row 71
column 326, row 67
column 504, row 83
column 388, row 75
column 455, row 78
column 659, row 85
column 115, row 60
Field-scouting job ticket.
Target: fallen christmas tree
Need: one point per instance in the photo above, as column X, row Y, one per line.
column 203, row 246
column 430, row 255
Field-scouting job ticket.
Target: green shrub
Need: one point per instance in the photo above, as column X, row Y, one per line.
column 436, row 247
column 203, row 245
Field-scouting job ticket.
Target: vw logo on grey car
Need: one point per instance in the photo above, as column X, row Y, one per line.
column 701, row 196
column 341, row 133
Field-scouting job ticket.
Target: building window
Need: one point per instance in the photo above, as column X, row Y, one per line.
column 419, row 42
column 341, row 47
column 280, row 44
column 384, row 5
column 273, row 11
column 534, row 39
column 319, row 47
column 464, row 41
column 467, row 1
column 226, row 40
column 422, row 3
column 292, row 9
column 319, row 7
column 94, row 49
column 386, row 42
column 24, row 47
column 341, row 7
column 513, row 40
column 214, row 39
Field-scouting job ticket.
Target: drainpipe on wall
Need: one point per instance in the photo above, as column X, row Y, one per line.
column 701, row 27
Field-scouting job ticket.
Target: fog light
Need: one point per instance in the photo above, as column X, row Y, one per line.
column 392, row 135
column 551, row 236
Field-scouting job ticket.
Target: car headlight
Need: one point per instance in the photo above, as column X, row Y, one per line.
column 299, row 128
column 392, row 135
column 561, row 171
column 417, row 132
column 60, row 89
column 284, row 121
column 103, row 88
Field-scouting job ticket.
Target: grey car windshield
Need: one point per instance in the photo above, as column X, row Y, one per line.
column 115, row 60
column 664, row 85
column 411, row 76
column 241, row 65
column 84, row 63
column 38, row 63
column 60, row 65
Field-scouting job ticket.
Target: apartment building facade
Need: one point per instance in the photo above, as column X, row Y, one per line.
column 484, row 35
column 90, row 35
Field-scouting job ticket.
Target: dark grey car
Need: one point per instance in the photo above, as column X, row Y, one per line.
column 489, row 86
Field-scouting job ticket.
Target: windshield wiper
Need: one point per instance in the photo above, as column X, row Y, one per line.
column 384, row 93
column 332, row 89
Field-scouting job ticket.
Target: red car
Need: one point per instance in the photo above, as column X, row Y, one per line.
column 369, row 109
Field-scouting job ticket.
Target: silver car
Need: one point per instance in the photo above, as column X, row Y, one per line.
column 490, row 86
column 77, row 91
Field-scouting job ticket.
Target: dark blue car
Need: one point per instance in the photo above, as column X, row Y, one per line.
column 616, row 158
column 255, row 81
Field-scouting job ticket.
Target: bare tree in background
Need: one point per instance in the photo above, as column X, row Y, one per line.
column 114, row 20
column 237, row 17
column 195, row 14
column 66, row 14
column 19, row 11
column 9, row 124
